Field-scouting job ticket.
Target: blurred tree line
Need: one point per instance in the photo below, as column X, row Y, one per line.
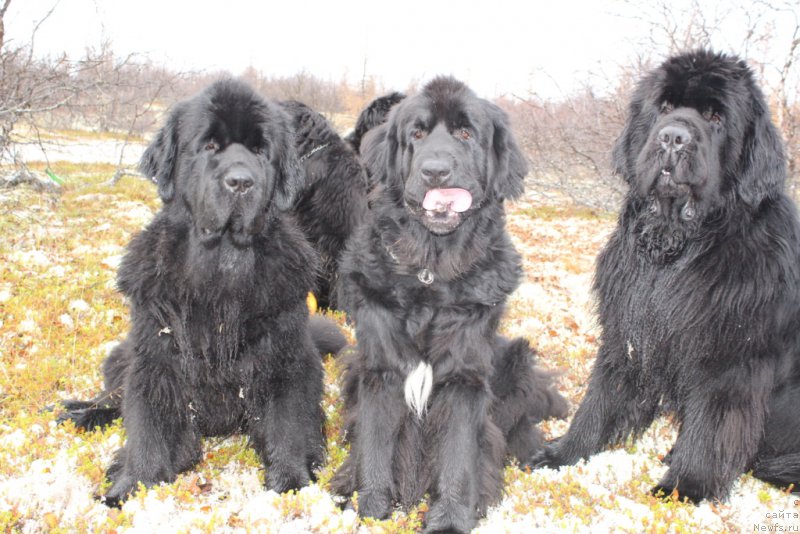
column 568, row 139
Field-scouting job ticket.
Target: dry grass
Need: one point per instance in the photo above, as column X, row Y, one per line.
column 59, row 313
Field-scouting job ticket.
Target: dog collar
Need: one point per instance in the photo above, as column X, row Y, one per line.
column 425, row 275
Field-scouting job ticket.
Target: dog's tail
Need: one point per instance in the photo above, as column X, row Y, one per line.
column 782, row 471
column 96, row 413
column 778, row 458
column 524, row 396
column 516, row 376
column 326, row 334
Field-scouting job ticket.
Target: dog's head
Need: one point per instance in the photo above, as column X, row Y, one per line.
column 226, row 159
column 444, row 153
column 699, row 130
column 372, row 116
column 698, row 140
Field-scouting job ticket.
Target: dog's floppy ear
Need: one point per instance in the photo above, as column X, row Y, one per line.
column 637, row 126
column 160, row 158
column 507, row 163
column 291, row 175
column 762, row 166
column 373, row 152
column 620, row 164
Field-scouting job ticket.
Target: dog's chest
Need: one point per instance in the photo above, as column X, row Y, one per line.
column 431, row 315
column 419, row 323
column 218, row 399
column 654, row 314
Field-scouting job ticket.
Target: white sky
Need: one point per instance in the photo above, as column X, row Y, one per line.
column 496, row 46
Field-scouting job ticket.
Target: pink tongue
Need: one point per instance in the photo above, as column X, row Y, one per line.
column 455, row 199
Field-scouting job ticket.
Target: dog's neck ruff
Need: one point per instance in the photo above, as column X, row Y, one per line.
column 314, row 151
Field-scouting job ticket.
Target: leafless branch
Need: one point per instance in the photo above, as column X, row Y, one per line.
column 36, row 29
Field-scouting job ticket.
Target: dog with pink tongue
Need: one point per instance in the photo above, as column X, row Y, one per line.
column 436, row 400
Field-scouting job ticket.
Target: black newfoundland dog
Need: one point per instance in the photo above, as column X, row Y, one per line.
column 217, row 284
column 699, row 286
column 435, row 398
column 333, row 199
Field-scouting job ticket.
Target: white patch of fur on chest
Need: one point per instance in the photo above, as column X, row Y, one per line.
column 418, row 386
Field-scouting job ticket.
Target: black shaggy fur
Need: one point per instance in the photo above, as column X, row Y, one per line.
column 371, row 116
column 699, row 286
column 422, row 286
column 332, row 201
column 217, row 284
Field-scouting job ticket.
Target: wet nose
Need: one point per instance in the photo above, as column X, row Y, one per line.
column 674, row 137
column 435, row 171
column 238, row 182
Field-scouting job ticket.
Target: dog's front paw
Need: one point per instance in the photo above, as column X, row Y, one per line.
column 122, row 488
column 547, row 456
column 126, row 480
column 375, row 504
column 684, row 491
column 283, row 478
column 450, row 517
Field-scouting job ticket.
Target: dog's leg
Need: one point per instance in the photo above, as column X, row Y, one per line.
column 467, row 454
column 381, row 409
column 162, row 440
column 285, row 424
column 720, row 433
column 610, row 411
column 382, row 443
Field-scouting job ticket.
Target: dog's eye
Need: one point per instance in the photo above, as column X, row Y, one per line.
column 667, row 107
column 212, row 146
column 418, row 134
column 464, row 134
column 263, row 148
column 712, row 116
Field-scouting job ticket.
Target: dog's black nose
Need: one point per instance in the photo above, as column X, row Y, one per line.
column 674, row 137
column 435, row 171
column 238, row 182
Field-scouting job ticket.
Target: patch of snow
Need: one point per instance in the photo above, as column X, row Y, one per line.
column 134, row 211
column 79, row 306
column 31, row 258
column 112, row 261
column 66, row 320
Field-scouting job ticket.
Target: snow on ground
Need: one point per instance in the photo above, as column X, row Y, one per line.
column 81, row 151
